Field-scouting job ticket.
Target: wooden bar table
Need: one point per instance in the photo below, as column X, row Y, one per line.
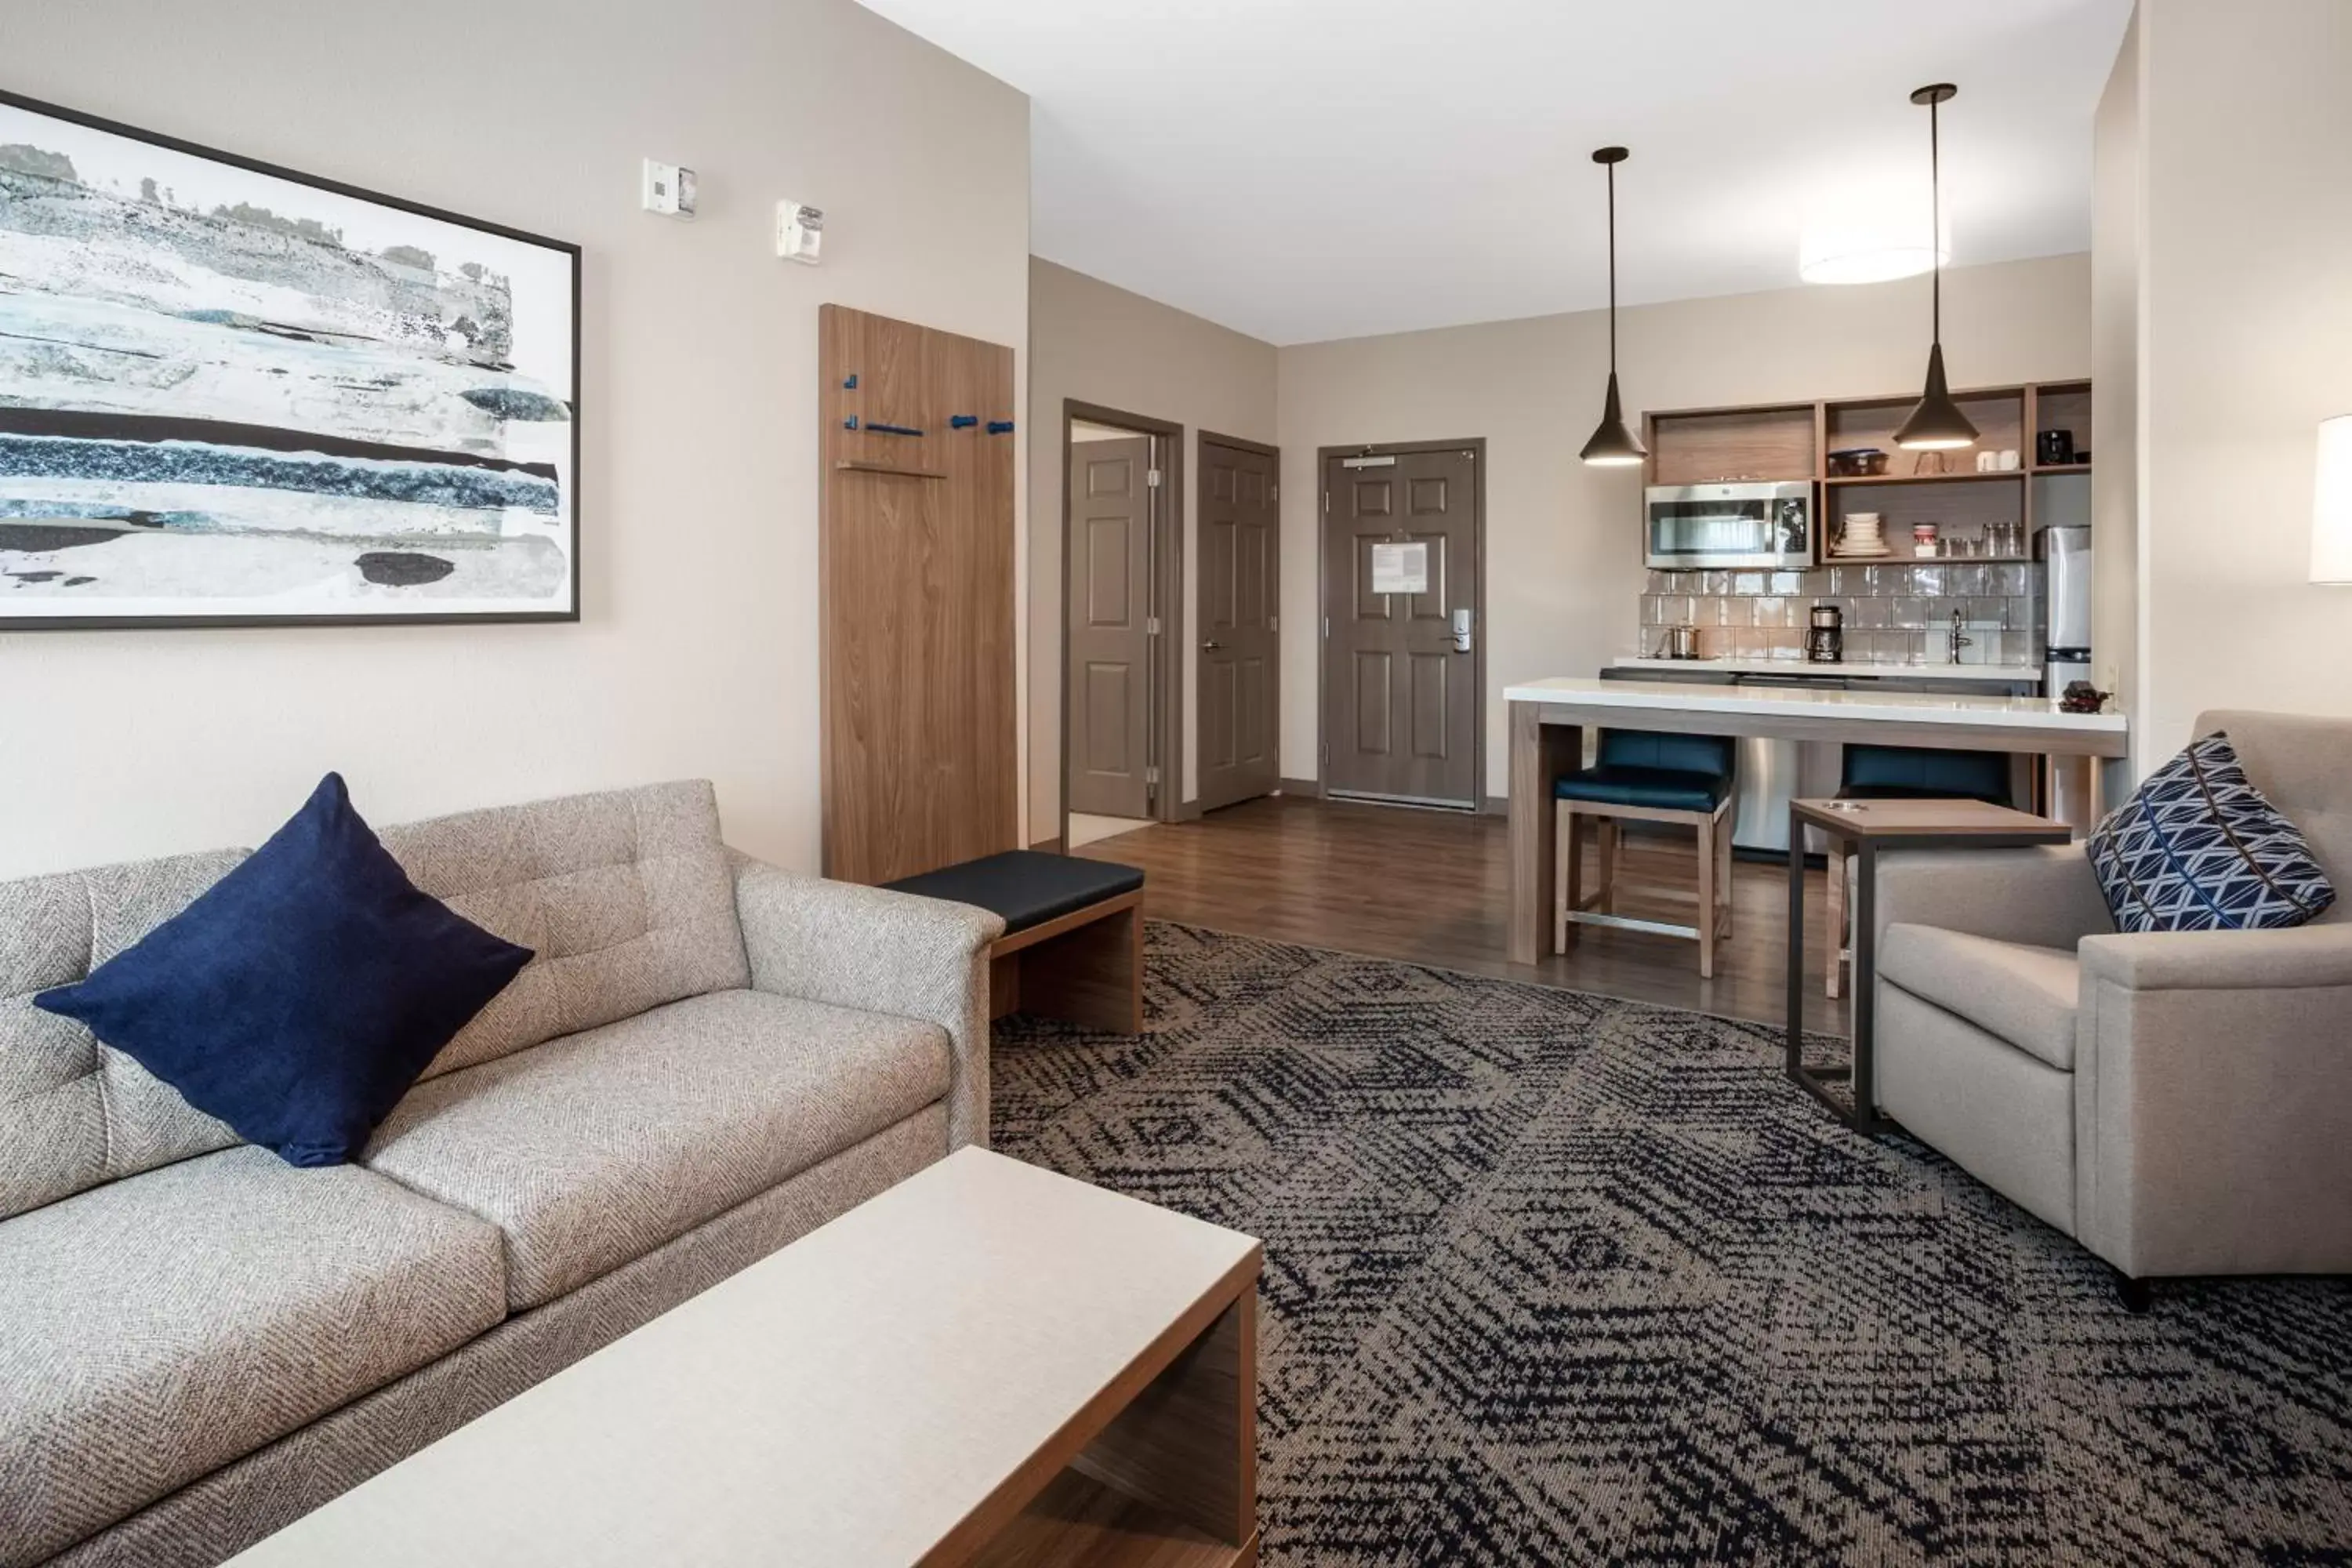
column 1548, row 717
column 1867, row 828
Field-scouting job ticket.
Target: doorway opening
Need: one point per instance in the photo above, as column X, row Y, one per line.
column 1401, row 654
column 1122, row 589
column 1237, row 692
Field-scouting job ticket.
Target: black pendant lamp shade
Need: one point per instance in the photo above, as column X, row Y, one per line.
column 1612, row 444
column 1936, row 424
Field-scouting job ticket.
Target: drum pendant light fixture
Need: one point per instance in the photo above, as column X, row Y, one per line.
column 1938, row 423
column 1612, row 444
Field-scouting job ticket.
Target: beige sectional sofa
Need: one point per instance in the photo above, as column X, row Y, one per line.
column 707, row 1057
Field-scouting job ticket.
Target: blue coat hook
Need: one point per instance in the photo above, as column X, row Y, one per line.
column 962, row 421
column 851, row 384
column 1000, row 427
column 850, row 423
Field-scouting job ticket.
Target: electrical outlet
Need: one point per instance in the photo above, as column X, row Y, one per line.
column 670, row 190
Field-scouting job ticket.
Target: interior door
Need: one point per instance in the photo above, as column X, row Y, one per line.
column 1239, row 656
column 1400, row 570
column 1110, row 627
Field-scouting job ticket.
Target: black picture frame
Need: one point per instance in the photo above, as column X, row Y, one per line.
column 572, row 257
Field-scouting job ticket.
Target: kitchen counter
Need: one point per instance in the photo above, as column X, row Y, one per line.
column 1745, row 706
column 1849, row 669
column 1548, row 719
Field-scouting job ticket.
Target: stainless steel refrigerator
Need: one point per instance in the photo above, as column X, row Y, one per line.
column 2066, row 638
column 2066, row 605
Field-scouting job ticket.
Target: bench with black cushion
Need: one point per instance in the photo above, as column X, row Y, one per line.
column 1072, row 941
column 1648, row 776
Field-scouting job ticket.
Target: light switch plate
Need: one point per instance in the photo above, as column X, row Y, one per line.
column 669, row 189
column 800, row 232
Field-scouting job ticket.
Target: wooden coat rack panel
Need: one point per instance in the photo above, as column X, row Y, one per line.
column 915, row 566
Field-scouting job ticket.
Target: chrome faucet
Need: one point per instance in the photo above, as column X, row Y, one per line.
column 1960, row 639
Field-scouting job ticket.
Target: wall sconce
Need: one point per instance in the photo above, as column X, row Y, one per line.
column 2331, row 504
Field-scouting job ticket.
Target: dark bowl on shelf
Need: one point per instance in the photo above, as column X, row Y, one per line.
column 1856, row 462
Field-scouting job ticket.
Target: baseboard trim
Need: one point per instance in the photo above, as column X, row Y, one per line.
column 1047, row 846
column 1496, row 806
column 1310, row 788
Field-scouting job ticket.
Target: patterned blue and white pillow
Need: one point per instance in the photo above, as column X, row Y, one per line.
column 2197, row 848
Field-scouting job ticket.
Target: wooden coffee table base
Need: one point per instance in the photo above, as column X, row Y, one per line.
column 1172, row 1482
column 987, row 1364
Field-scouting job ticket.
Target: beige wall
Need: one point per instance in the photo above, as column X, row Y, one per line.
column 2247, row 135
column 1564, row 564
column 2118, row 224
column 697, row 650
column 1103, row 345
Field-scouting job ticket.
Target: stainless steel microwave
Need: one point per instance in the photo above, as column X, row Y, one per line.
column 1753, row 524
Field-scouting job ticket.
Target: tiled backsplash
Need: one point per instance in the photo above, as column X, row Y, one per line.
column 1896, row 613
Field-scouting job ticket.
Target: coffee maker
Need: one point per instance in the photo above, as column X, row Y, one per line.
column 1825, row 639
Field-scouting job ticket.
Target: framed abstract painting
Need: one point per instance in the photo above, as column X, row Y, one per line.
column 233, row 395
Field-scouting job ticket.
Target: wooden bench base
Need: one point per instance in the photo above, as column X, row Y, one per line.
column 1084, row 968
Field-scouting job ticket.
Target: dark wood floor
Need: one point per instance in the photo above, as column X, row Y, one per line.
column 1429, row 887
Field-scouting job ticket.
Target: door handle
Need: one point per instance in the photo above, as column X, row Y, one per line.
column 1462, row 631
column 1212, row 644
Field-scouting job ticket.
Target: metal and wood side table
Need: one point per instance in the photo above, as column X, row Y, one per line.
column 1866, row 828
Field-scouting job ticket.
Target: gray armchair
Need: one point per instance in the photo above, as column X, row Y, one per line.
column 2179, row 1103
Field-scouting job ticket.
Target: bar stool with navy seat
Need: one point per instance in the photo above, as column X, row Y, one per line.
column 1648, row 776
column 1905, row 773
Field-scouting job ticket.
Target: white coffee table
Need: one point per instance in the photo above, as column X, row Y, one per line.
column 987, row 1364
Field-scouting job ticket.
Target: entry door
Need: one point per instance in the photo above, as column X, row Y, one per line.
column 1110, row 627
column 1239, row 669
column 1400, row 697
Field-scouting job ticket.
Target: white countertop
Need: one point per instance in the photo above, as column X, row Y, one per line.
column 1871, row 669
column 1803, row 702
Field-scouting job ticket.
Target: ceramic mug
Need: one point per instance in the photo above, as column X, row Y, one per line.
column 1988, row 461
column 2008, row 458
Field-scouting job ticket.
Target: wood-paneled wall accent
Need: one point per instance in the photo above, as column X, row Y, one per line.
column 916, row 597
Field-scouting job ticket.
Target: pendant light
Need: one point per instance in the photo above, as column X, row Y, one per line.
column 1612, row 444
column 1936, row 425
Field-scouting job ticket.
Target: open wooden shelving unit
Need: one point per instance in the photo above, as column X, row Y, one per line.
column 1784, row 441
column 1969, row 478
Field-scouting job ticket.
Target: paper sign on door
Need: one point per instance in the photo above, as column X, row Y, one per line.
column 1401, row 568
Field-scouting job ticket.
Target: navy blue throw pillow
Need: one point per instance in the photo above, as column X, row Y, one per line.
column 301, row 995
column 2198, row 847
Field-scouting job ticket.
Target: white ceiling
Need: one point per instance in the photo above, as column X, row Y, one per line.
column 1310, row 169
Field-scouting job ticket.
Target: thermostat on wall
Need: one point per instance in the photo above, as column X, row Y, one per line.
column 800, row 232
column 668, row 190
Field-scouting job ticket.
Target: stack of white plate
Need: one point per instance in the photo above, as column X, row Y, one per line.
column 1860, row 537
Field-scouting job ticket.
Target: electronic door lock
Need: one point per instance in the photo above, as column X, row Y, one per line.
column 1462, row 631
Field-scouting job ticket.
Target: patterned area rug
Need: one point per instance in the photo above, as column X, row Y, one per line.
column 1552, row 1279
